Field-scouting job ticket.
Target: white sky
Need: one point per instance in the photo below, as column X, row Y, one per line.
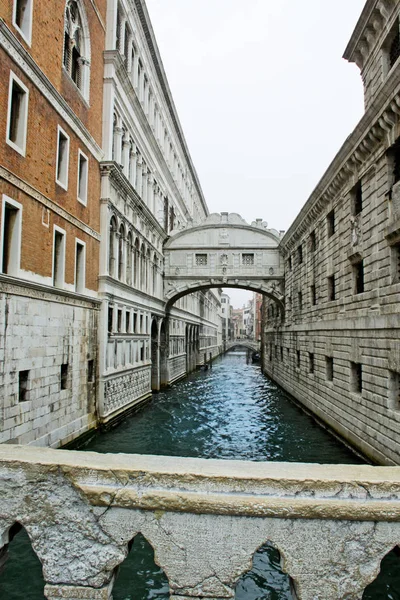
column 264, row 98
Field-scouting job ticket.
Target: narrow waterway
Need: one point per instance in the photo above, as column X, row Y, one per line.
column 229, row 412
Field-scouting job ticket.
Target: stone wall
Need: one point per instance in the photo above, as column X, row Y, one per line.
column 48, row 357
column 205, row 520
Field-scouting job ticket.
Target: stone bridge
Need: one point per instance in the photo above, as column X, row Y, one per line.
column 249, row 344
column 224, row 251
column 205, row 519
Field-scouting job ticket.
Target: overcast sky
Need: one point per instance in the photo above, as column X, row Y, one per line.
column 263, row 95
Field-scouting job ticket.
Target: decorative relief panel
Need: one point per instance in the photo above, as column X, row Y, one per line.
column 122, row 390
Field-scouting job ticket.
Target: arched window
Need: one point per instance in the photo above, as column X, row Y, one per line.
column 77, row 46
column 143, row 267
column 111, row 247
column 155, row 268
column 136, row 266
column 129, row 250
column 121, row 252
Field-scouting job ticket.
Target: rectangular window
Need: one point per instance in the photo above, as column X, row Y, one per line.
column 11, row 237
column 290, row 263
column 23, row 378
column 298, row 359
column 134, row 322
column 300, row 254
column 142, row 352
column 331, row 288
column 313, row 295
column 22, row 18
column 330, row 223
column 356, row 199
column 310, row 362
column 300, row 300
column 313, row 241
column 329, row 368
column 282, row 353
column 141, row 324
column 62, row 159
column 201, row 260
column 356, row 377
column 17, row 118
column 247, row 259
column 392, row 44
column 394, row 390
column 358, row 277
column 90, row 371
column 83, row 171
column 110, row 319
column 80, row 253
column 128, row 321
column 64, row 377
column 119, row 321
column 59, row 258
column 395, row 250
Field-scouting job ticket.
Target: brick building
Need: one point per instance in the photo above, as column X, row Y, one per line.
column 50, row 131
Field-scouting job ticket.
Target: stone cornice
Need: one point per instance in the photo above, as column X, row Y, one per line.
column 26, row 63
column 114, row 57
column 50, row 204
column 360, row 27
column 155, row 54
column 21, row 287
column 376, row 128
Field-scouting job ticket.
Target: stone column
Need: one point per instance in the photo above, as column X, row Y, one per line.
column 132, row 167
column 121, row 45
column 118, row 144
column 144, row 184
column 134, row 74
column 139, row 169
column 129, row 57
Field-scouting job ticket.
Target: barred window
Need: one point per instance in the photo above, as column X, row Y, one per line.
column 247, row 259
column 201, row 260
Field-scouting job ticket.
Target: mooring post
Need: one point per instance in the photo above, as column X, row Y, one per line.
column 205, row 359
column 210, row 360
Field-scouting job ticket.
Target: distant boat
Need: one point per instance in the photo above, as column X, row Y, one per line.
column 255, row 357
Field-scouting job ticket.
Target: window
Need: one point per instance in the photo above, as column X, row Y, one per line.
column 22, row 18
column 313, row 295
column 119, row 321
column 110, row 319
column 62, row 158
column 313, row 241
column 310, row 362
column 58, row 257
column 11, row 237
column 356, row 377
column 201, row 260
column 395, row 251
column 394, row 160
column 64, row 377
column 300, row 300
column 134, row 323
column 356, row 201
column 76, row 57
column 17, row 118
column 290, row 263
column 90, row 371
column 247, row 259
column 83, row 168
column 331, row 288
column 358, row 277
column 23, row 378
column 300, row 254
column 80, row 266
column 329, row 368
column 298, row 359
column 127, row 321
column 392, row 45
column 282, row 354
column 330, row 223
column 394, row 390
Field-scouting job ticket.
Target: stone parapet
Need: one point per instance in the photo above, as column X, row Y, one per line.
column 205, row 519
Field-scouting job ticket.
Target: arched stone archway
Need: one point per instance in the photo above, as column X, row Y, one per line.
column 224, row 251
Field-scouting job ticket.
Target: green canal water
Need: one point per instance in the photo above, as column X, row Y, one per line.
column 229, row 412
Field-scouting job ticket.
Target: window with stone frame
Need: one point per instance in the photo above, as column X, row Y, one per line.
column 391, row 47
column 394, row 390
column 22, row 18
column 247, row 259
column 76, row 58
column 356, row 199
column 201, row 260
column 329, row 368
column 356, row 381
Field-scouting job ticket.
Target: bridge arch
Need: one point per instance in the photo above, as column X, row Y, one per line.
column 224, row 251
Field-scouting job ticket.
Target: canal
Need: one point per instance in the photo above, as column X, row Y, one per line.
column 228, row 412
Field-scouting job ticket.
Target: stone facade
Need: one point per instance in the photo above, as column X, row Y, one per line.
column 331, row 524
column 335, row 346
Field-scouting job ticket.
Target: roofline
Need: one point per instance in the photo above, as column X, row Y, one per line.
column 156, row 57
column 359, row 28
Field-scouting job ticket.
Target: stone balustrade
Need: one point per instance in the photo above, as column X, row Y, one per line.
column 205, row 519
